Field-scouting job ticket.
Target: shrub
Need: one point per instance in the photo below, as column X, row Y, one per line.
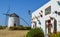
column 37, row 32
column 16, row 28
column 55, row 35
column 20, row 28
column 27, row 28
column 2, row 27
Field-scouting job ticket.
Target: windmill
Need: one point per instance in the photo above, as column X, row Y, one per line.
column 14, row 20
column 7, row 14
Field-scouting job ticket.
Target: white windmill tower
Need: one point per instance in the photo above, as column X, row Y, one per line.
column 13, row 20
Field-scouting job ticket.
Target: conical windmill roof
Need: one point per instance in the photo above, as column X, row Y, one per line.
column 14, row 15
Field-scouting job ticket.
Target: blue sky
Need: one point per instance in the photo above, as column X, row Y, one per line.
column 21, row 8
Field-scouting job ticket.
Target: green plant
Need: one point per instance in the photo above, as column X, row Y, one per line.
column 27, row 28
column 20, row 28
column 2, row 27
column 55, row 35
column 37, row 32
column 16, row 28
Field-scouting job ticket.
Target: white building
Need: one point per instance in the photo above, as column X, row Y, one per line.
column 13, row 20
column 47, row 17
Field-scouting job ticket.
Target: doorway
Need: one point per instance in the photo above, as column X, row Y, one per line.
column 14, row 25
column 55, row 26
column 48, row 26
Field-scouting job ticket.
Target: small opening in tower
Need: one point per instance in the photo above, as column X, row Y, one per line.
column 14, row 24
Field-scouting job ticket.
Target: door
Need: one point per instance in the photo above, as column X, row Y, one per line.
column 55, row 26
column 14, row 25
column 48, row 26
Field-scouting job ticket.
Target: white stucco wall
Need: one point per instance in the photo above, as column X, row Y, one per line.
column 13, row 20
column 54, row 7
column 36, row 13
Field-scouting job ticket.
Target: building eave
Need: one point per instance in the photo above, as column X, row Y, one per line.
column 42, row 7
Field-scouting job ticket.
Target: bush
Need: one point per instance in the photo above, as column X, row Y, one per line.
column 2, row 27
column 20, row 28
column 55, row 35
column 27, row 28
column 16, row 28
column 37, row 32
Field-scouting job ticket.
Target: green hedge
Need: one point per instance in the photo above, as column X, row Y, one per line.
column 20, row 28
column 27, row 28
column 37, row 32
column 2, row 27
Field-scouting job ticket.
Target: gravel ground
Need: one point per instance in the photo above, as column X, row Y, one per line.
column 16, row 33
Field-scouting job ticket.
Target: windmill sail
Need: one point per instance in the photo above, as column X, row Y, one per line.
column 24, row 21
column 6, row 19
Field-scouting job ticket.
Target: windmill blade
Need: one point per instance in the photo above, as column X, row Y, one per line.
column 8, row 10
column 24, row 21
column 7, row 13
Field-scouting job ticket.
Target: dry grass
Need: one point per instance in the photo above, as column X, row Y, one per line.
column 9, row 33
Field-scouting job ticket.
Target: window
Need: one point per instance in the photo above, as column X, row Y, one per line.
column 48, row 10
column 58, row 13
column 34, row 25
column 41, row 11
column 58, row 3
column 39, row 22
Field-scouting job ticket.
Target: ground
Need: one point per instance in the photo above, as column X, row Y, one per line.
column 16, row 33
